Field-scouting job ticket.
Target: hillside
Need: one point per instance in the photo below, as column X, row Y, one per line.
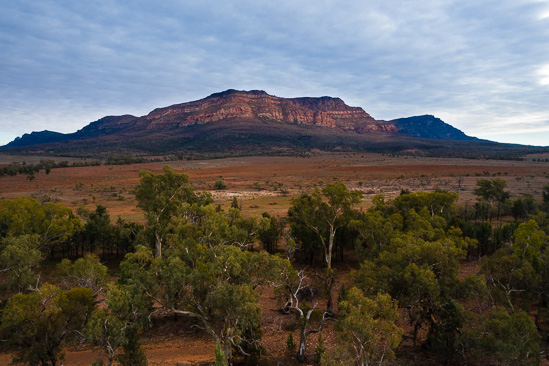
column 254, row 122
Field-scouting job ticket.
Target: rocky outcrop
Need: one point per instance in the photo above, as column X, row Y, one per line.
column 244, row 121
column 256, row 104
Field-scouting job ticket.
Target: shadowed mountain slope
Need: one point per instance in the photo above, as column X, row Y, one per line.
column 254, row 122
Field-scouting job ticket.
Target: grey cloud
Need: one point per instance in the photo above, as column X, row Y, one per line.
column 472, row 62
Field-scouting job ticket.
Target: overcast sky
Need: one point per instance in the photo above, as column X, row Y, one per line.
column 481, row 66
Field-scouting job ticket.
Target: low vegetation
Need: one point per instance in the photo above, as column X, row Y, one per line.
column 210, row 266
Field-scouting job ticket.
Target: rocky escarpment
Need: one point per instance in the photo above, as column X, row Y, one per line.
column 247, row 122
column 323, row 112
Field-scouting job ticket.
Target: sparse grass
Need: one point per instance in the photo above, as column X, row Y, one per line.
column 112, row 186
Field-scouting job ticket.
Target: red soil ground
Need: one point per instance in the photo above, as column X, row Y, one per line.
column 176, row 343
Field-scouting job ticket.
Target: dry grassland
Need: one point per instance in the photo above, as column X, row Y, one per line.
column 268, row 183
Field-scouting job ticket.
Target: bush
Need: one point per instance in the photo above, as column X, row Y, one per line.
column 220, row 184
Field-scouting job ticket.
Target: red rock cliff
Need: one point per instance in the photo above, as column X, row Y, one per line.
column 233, row 104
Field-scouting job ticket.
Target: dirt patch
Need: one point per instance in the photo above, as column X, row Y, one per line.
column 269, row 183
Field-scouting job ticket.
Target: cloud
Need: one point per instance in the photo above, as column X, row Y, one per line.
column 476, row 64
column 544, row 75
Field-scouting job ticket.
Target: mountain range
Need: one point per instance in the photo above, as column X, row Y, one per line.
column 248, row 122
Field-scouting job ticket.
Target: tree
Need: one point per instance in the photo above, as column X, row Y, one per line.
column 19, row 256
column 125, row 235
column 234, row 203
column 524, row 206
column 161, row 196
column 98, row 229
column 212, row 285
column 511, row 339
column 292, row 287
column 85, row 272
column 53, row 223
column 439, row 203
column 545, row 197
column 323, row 217
column 517, row 274
column 492, row 190
column 368, row 327
column 133, row 352
column 36, row 326
column 270, row 231
column 116, row 325
column 374, row 232
column 421, row 275
column 322, row 213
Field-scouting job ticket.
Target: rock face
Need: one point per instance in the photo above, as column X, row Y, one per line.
column 244, row 121
column 256, row 104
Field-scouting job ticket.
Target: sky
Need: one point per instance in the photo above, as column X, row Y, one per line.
column 479, row 65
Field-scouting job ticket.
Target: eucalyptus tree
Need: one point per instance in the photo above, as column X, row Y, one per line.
column 116, row 325
column 422, row 275
column 161, row 197
column 492, row 191
column 518, row 274
column 367, row 328
column 322, row 213
column 292, row 287
column 214, row 285
column 85, row 272
column 53, row 223
column 19, row 257
column 35, row 327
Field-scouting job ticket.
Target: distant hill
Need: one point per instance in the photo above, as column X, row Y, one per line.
column 429, row 127
column 254, row 122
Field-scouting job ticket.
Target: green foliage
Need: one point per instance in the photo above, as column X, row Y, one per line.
column 446, row 334
column 19, row 256
column 220, row 358
column 438, row 203
column 517, row 274
column 220, row 184
column 106, row 331
column 422, row 275
column 116, row 325
column 213, row 285
column 368, row 327
column 98, row 228
column 342, row 296
column 37, row 326
column 491, row 191
column 84, row 272
column 234, row 203
column 290, row 343
column 320, row 214
column 319, row 349
column 374, row 233
column 524, row 206
column 161, row 197
column 511, row 339
column 545, row 197
column 270, row 231
column 133, row 352
column 53, row 223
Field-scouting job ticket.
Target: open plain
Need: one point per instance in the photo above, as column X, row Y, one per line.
column 266, row 184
